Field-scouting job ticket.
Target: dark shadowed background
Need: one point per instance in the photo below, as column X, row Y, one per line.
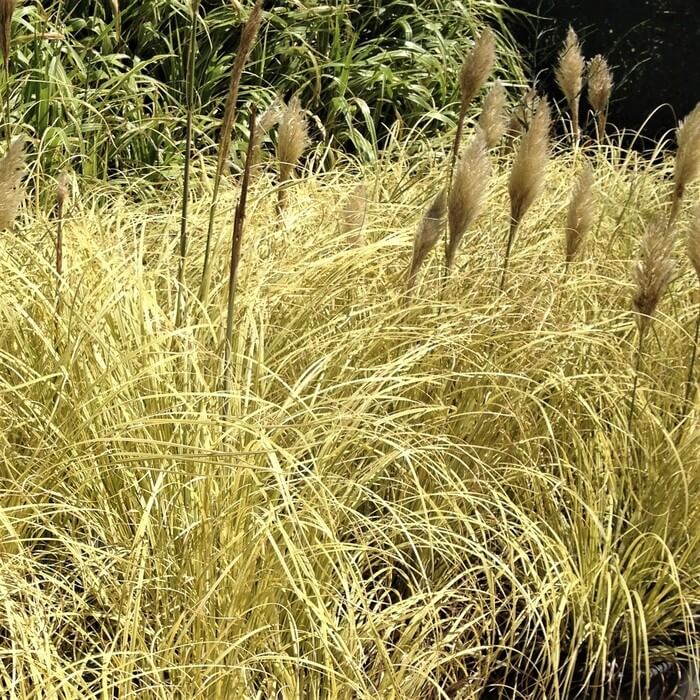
column 653, row 46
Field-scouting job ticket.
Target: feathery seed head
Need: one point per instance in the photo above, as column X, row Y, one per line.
column 7, row 8
column 569, row 71
column 529, row 167
column 579, row 220
column 477, row 67
column 292, row 138
column 11, row 187
column 62, row 185
column 468, row 192
column 428, row 234
column 694, row 241
column 688, row 154
column 652, row 272
column 493, row 115
column 600, row 84
column 353, row 215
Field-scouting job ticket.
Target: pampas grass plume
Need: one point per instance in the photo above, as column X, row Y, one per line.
column 694, row 241
column 11, row 187
column 527, row 176
column 579, row 220
column 292, row 139
column 7, row 8
column 492, row 120
column 687, row 165
column 652, row 273
column 353, row 214
column 427, row 235
column 569, row 76
column 477, row 67
column 600, row 85
column 467, row 194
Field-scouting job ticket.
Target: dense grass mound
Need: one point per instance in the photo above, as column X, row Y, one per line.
column 429, row 499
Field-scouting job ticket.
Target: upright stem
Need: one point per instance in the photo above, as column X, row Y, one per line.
column 179, row 312
column 637, row 365
column 237, row 238
column 514, row 224
column 59, row 269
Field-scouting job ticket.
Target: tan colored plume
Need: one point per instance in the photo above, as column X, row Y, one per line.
column 694, row 241
column 600, row 85
column 493, row 120
column 569, row 76
column 11, row 186
column 467, row 194
column 475, row 72
column 353, row 215
column 477, row 67
column 292, row 139
column 427, row 235
column 579, row 219
column 7, row 9
column 528, row 173
column 652, row 273
column 687, row 165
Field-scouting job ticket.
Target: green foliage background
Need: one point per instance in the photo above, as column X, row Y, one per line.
column 101, row 83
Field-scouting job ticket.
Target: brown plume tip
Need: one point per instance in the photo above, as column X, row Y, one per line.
column 688, row 154
column 529, row 167
column 11, row 188
column 7, row 9
column 468, row 192
column 62, row 190
column 477, row 67
column 652, row 273
column 493, row 120
column 427, row 235
column 579, row 220
column 569, row 75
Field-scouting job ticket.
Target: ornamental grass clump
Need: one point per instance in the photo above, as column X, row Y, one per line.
column 579, row 218
column 528, row 174
column 652, row 273
column 467, row 194
column 292, row 140
column 12, row 167
column 600, row 85
column 476, row 70
column 493, row 120
column 569, row 76
column 427, row 236
column 687, row 165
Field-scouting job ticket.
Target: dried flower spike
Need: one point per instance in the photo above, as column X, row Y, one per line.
column 427, row 235
column 291, row 141
column 353, row 215
column 7, row 9
column 694, row 241
column 569, row 76
column 11, row 187
column 579, row 220
column 687, row 165
column 467, row 194
column 652, row 273
column 492, row 120
column 600, row 85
